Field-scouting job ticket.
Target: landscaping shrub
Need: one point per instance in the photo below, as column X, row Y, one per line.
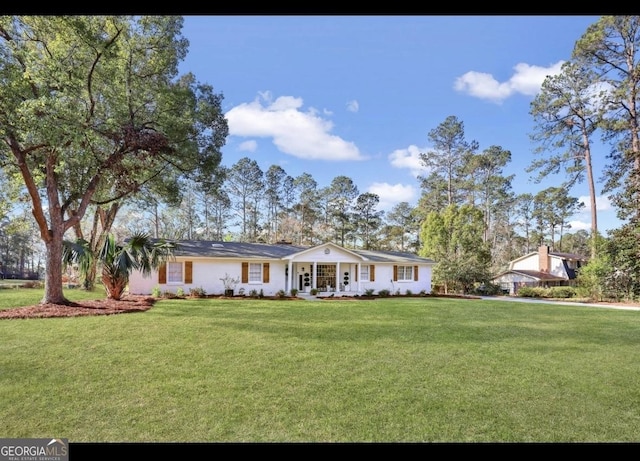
column 561, row 292
column 198, row 292
column 489, row 289
column 531, row 292
column 551, row 292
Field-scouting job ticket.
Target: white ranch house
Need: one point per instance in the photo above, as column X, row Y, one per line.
column 269, row 268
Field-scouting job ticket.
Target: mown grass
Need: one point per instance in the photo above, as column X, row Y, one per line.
column 16, row 297
column 384, row 370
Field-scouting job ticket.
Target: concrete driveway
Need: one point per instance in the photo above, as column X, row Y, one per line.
column 567, row 303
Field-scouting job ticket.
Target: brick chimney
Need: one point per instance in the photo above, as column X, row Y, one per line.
column 543, row 258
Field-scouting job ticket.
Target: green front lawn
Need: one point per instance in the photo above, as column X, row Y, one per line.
column 384, row 370
column 16, row 297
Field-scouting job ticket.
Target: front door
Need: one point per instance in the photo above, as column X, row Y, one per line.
column 326, row 277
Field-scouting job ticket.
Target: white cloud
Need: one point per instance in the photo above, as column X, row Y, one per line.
column 602, row 203
column 249, row 146
column 408, row 158
column 353, row 106
column 392, row 194
column 526, row 80
column 300, row 134
column 583, row 220
column 578, row 225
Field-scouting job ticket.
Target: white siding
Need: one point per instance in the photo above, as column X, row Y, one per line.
column 556, row 267
column 139, row 285
column 529, row 263
column 207, row 275
column 384, row 280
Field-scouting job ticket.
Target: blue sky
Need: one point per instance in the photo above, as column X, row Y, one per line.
column 358, row 95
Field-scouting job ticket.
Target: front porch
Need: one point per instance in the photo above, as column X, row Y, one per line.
column 325, row 278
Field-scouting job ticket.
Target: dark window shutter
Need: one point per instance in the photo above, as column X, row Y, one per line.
column 415, row 273
column 162, row 273
column 395, row 273
column 372, row 273
column 265, row 273
column 245, row 272
column 188, row 272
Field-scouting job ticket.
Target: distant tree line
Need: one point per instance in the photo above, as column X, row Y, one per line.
column 101, row 136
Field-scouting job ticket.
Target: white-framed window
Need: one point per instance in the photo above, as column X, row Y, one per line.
column 255, row 272
column 405, row 273
column 174, row 272
column 364, row 273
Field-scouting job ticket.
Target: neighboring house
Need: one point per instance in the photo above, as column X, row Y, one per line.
column 542, row 268
column 269, row 268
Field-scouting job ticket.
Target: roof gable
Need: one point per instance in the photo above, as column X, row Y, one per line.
column 326, row 248
column 522, row 258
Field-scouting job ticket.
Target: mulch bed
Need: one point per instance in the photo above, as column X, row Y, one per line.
column 75, row 309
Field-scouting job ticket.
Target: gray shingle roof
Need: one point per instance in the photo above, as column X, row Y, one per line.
column 570, row 256
column 533, row 274
column 392, row 257
column 218, row 249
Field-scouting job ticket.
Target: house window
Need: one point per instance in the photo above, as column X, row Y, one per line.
column 174, row 272
column 405, row 273
column 255, row 272
column 364, row 273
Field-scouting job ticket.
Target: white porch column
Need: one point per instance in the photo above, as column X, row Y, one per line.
column 314, row 275
column 359, row 275
column 290, row 275
column 338, row 276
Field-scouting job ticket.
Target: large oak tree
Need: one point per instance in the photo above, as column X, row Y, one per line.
column 93, row 107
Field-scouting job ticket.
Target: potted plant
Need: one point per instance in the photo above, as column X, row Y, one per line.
column 229, row 284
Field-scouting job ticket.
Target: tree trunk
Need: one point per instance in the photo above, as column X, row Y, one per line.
column 592, row 197
column 102, row 223
column 53, row 293
column 114, row 286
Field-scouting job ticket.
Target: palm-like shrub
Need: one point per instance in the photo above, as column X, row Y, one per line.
column 119, row 260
